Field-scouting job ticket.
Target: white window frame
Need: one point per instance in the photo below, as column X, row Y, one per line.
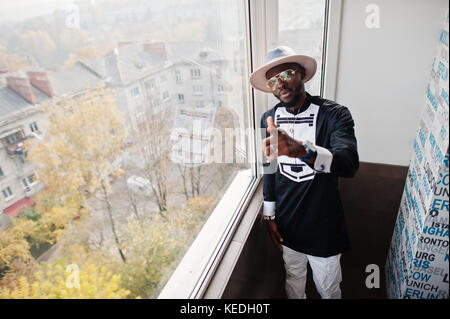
column 196, row 271
column 33, row 127
column 26, row 183
column 197, row 89
column 11, row 194
column 197, row 268
column 178, row 76
column 196, row 73
column 135, row 92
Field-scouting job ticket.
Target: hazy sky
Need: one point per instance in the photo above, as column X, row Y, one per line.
column 20, row 9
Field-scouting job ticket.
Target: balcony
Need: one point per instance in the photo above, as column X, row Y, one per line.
column 17, row 149
column 251, row 267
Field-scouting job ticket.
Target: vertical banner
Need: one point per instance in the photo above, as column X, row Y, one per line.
column 417, row 265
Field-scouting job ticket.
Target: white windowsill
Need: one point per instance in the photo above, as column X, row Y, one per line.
column 192, row 275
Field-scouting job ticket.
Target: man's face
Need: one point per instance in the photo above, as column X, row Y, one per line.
column 287, row 91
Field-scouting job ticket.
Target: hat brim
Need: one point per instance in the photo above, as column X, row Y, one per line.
column 258, row 78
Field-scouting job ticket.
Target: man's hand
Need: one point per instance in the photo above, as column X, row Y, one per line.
column 280, row 143
column 274, row 234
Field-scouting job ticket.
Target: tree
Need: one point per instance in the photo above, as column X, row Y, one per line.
column 38, row 44
column 86, row 53
column 11, row 62
column 13, row 243
column 77, row 277
column 76, row 158
column 156, row 245
column 152, row 143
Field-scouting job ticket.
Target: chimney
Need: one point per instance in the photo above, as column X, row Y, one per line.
column 40, row 80
column 112, row 67
column 21, row 85
column 157, row 48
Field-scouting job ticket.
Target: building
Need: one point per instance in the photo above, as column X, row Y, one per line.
column 22, row 118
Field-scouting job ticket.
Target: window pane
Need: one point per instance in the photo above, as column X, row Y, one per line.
column 301, row 27
column 138, row 138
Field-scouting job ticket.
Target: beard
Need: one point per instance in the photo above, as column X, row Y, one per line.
column 295, row 99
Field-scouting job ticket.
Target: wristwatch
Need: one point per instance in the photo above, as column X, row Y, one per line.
column 310, row 149
column 269, row 217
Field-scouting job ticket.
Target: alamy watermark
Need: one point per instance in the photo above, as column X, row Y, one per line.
column 373, row 17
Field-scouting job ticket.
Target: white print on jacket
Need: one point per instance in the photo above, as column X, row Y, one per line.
column 304, row 128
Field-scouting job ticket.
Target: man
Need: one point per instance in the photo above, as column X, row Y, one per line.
column 312, row 143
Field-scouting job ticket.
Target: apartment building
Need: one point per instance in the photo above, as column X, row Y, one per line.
column 23, row 98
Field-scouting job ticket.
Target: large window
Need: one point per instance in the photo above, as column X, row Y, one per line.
column 124, row 197
column 301, row 27
column 129, row 185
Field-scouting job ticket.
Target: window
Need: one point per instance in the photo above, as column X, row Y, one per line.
column 150, row 84
column 34, row 127
column 130, row 233
column 13, row 138
column 177, row 76
column 303, row 19
column 195, row 74
column 199, row 104
column 197, row 90
column 135, row 91
column 7, row 193
column 29, row 180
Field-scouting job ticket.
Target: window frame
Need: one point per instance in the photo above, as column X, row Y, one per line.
column 261, row 24
column 11, row 193
column 33, row 127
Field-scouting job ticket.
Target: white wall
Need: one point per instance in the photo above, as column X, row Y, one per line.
column 383, row 73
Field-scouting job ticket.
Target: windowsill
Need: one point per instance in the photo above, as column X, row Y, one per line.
column 224, row 270
column 190, row 279
column 9, row 199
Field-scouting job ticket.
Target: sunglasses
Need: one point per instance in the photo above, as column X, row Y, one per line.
column 286, row 75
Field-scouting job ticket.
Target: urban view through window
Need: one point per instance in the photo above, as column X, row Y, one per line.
column 113, row 150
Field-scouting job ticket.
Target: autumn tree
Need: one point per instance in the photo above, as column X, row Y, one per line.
column 38, row 44
column 13, row 243
column 11, row 62
column 152, row 144
column 86, row 53
column 77, row 277
column 77, row 158
column 156, row 245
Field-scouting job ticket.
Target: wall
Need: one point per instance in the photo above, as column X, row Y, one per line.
column 383, row 73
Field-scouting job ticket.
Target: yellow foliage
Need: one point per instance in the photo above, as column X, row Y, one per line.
column 84, row 137
column 75, row 158
column 78, row 278
column 13, row 244
column 155, row 246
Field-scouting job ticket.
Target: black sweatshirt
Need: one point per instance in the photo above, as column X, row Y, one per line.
column 305, row 197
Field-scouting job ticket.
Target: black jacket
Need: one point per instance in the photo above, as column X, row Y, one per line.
column 309, row 213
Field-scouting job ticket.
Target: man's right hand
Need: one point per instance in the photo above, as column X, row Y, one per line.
column 280, row 143
column 274, row 234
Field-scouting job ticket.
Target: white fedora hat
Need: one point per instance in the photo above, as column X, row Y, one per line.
column 280, row 55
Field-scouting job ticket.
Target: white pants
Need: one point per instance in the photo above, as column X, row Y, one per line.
column 326, row 274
